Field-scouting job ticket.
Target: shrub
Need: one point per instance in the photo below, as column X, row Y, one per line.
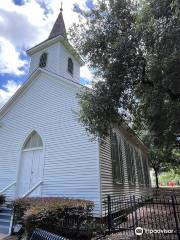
column 2, row 199
column 20, row 206
column 67, row 217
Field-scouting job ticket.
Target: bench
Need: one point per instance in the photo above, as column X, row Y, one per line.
column 39, row 234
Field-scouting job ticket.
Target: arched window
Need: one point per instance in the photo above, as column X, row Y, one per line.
column 130, row 162
column 147, row 181
column 43, row 60
column 117, row 159
column 33, row 141
column 139, row 167
column 70, row 66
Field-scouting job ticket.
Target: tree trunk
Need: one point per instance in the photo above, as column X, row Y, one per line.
column 157, row 180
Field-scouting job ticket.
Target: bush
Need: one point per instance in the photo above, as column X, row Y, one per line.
column 67, row 217
column 2, row 199
column 20, row 206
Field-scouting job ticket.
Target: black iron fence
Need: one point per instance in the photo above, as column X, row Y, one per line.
column 156, row 217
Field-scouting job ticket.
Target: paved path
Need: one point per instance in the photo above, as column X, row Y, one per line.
column 2, row 236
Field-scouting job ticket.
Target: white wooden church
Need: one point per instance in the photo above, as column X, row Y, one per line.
column 45, row 151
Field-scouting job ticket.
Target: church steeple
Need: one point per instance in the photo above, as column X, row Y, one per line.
column 56, row 54
column 59, row 28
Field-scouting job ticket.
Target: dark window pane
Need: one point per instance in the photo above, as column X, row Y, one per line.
column 121, row 168
column 117, row 160
column 43, row 60
column 139, row 168
column 70, row 66
column 146, row 170
column 130, row 163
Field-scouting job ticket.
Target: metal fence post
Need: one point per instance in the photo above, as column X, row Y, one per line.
column 110, row 224
column 136, row 219
column 132, row 214
column 175, row 216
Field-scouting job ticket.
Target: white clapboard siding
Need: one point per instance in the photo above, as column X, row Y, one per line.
column 71, row 160
column 108, row 187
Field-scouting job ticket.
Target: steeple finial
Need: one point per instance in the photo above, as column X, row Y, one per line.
column 61, row 9
column 59, row 26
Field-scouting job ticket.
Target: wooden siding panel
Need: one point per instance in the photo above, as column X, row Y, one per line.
column 107, row 184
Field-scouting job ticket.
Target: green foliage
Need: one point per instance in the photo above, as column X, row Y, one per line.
column 162, row 157
column 159, row 91
column 108, row 42
column 158, row 160
column 95, row 110
column 136, row 51
column 67, row 217
column 171, row 175
column 2, row 199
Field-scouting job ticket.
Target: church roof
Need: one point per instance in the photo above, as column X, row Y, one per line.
column 59, row 28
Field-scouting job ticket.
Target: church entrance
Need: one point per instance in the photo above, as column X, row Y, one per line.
column 31, row 165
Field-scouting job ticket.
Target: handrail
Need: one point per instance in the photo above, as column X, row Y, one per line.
column 8, row 187
column 32, row 189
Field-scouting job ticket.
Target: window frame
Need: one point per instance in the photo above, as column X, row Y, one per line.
column 43, row 60
column 29, row 139
column 117, row 159
column 147, row 181
column 139, row 167
column 130, row 162
column 72, row 66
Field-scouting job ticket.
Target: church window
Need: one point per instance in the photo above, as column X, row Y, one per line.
column 146, row 170
column 43, row 60
column 117, row 159
column 33, row 141
column 70, row 66
column 139, row 168
column 130, row 164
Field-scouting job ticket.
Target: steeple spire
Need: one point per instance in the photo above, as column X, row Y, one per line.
column 61, row 9
column 59, row 26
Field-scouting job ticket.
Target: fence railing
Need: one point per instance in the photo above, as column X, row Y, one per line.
column 156, row 216
column 7, row 187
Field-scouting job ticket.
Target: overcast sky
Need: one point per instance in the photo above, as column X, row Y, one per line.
column 23, row 24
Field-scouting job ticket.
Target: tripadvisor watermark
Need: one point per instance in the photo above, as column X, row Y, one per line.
column 139, row 231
